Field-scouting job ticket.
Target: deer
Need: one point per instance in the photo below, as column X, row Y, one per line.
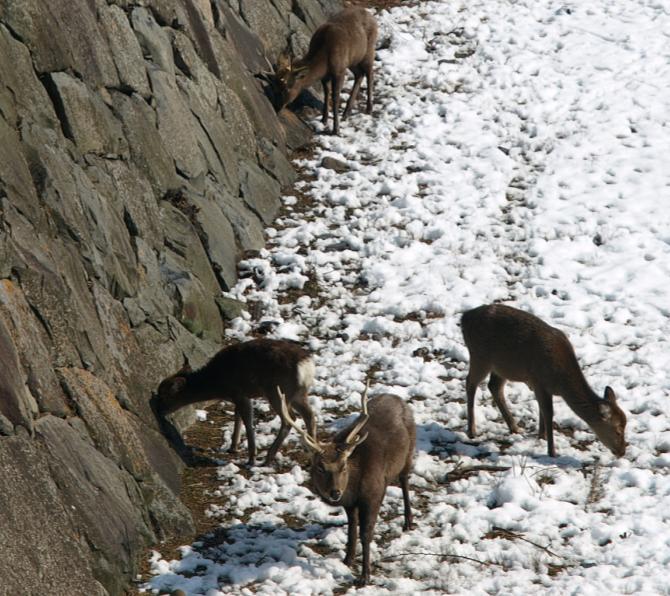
column 236, row 374
column 346, row 41
column 513, row 345
column 354, row 468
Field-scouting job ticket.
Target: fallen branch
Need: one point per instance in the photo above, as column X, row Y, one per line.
column 460, row 472
column 441, row 555
column 510, row 535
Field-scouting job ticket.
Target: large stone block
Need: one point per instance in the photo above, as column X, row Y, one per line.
column 107, row 503
column 154, row 40
column 26, row 96
column 16, row 403
column 259, row 192
column 148, row 152
column 34, row 349
column 126, row 50
column 267, row 22
column 218, row 236
column 178, row 128
column 247, row 226
column 42, row 550
column 63, row 35
column 85, row 118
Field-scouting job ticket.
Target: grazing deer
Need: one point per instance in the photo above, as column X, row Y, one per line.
column 346, row 41
column 514, row 345
column 236, row 374
column 354, row 469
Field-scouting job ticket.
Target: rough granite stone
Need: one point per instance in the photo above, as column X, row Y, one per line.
column 86, row 119
column 259, row 192
column 126, row 51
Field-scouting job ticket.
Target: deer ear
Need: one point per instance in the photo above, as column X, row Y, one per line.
column 186, row 366
column 300, row 72
column 609, row 395
column 350, row 448
column 605, row 410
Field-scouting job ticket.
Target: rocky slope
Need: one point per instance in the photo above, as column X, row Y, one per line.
column 139, row 157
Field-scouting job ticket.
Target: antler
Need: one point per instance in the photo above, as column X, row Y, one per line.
column 270, row 72
column 362, row 419
column 306, row 439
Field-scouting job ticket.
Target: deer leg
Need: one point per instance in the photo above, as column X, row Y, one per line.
column 358, row 79
column 476, row 374
column 369, row 83
column 352, row 535
column 326, row 101
column 337, row 81
column 246, row 412
column 404, row 485
column 301, row 405
column 544, row 399
column 237, row 429
column 497, row 388
column 368, row 518
column 541, row 429
column 284, row 429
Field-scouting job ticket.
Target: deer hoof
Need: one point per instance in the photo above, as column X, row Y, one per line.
column 363, row 580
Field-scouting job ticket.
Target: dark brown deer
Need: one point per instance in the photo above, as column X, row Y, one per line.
column 236, row 374
column 346, row 41
column 355, row 467
column 514, row 345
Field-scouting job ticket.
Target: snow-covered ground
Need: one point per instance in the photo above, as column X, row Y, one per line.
column 519, row 152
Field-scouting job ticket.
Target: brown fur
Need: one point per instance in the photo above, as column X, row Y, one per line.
column 355, row 473
column 346, row 41
column 517, row 346
column 236, row 374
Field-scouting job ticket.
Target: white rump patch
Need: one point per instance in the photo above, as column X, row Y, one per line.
column 306, row 372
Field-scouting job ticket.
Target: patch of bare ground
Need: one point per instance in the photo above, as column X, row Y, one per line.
column 198, row 486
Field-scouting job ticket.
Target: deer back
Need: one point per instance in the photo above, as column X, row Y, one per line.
column 345, row 40
column 519, row 346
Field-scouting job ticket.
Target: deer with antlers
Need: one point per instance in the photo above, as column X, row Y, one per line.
column 355, row 467
column 346, row 41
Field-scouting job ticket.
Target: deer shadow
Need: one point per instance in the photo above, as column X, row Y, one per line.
column 242, row 554
column 434, row 439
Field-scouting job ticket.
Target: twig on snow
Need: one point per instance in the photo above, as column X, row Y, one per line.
column 441, row 555
column 509, row 534
column 459, row 472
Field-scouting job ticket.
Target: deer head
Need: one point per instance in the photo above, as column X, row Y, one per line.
column 330, row 461
column 288, row 80
column 610, row 429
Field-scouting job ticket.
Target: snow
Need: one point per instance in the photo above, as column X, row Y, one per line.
column 518, row 152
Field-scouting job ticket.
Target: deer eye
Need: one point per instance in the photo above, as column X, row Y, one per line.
column 321, row 468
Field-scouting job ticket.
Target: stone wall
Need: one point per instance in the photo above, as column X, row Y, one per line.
column 139, row 158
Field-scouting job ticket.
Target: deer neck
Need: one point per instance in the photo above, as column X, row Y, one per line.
column 198, row 388
column 582, row 400
column 316, row 69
